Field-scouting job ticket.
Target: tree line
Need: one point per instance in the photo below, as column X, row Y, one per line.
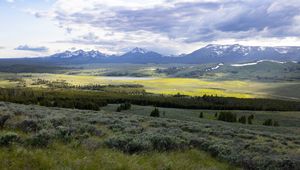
column 93, row 100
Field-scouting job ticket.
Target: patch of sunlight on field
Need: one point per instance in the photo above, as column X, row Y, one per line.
column 195, row 87
column 7, row 83
column 187, row 86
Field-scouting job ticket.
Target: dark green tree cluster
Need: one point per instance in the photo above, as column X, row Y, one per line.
column 86, row 99
column 53, row 98
column 270, row 122
column 243, row 120
column 201, row 115
column 227, row 117
column 155, row 113
column 250, row 118
column 124, row 106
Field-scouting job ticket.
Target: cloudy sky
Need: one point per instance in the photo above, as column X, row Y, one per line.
column 43, row 27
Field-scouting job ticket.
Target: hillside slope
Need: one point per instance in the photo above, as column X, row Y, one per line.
column 249, row 146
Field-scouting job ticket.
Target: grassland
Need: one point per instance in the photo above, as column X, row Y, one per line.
column 161, row 85
column 285, row 118
column 62, row 156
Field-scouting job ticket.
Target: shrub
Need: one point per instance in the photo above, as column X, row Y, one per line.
column 242, row 119
column 3, row 119
column 276, row 123
column 166, row 143
column 128, row 144
column 41, row 139
column 58, row 121
column 227, row 117
column 8, row 138
column 65, row 134
column 155, row 113
column 90, row 129
column 145, row 142
column 216, row 115
column 28, row 126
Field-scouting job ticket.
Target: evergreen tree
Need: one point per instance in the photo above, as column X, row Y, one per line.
column 249, row 120
column 242, row 119
column 227, row 117
column 155, row 113
column 268, row 122
column 201, row 115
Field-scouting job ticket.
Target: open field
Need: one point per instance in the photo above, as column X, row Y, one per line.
column 160, row 85
column 286, row 119
column 45, row 138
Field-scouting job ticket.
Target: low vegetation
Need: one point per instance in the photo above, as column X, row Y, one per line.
column 50, row 130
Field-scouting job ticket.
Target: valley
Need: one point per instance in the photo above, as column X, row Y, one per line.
column 263, row 80
column 150, row 85
column 150, row 116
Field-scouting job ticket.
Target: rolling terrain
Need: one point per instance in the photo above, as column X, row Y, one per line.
column 46, row 138
column 264, row 79
column 220, row 107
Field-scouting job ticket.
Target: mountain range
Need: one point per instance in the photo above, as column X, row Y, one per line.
column 211, row 53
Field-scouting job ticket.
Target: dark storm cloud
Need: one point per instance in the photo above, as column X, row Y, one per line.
column 197, row 21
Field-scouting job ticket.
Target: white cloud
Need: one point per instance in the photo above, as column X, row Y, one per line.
column 171, row 26
column 10, row 1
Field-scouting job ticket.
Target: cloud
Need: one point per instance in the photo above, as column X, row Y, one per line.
column 30, row 48
column 166, row 24
column 10, row 1
column 188, row 20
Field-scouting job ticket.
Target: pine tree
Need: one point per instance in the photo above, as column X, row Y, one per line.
column 201, row 115
column 242, row 119
column 155, row 113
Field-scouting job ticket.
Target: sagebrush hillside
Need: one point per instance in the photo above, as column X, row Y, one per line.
column 44, row 131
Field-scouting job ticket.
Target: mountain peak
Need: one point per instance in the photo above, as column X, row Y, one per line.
column 138, row 50
column 79, row 53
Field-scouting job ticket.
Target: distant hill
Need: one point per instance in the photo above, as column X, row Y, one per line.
column 210, row 54
column 264, row 70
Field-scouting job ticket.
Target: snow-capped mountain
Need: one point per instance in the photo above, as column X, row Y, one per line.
column 138, row 50
column 139, row 55
column 212, row 53
column 79, row 54
column 237, row 53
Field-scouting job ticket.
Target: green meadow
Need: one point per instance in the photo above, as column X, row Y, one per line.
column 170, row 86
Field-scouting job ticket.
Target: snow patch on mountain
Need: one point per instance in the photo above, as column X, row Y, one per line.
column 254, row 63
column 215, row 68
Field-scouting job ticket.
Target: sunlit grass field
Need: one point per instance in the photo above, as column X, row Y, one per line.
column 171, row 86
column 158, row 85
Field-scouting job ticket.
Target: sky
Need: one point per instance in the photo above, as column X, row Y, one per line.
column 31, row 28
